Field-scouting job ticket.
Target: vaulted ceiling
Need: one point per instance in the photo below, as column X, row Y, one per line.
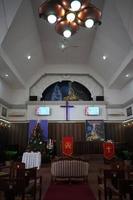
column 27, row 34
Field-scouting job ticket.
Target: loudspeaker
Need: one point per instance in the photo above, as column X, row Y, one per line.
column 99, row 98
column 33, row 98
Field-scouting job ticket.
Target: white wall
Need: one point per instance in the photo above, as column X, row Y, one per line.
column 93, row 86
column 20, row 96
column 6, row 93
column 1, row 115
column 125, row 11
column 59, row 113
column 8, row 9
column 11, row 7
column 125, row 110
column 115, row 114
column 3, row 23
column 127, row 92
column 113, row 96
column 13, row 96
column 17, row 115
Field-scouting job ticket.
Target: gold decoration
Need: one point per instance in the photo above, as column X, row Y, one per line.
column 71, row 96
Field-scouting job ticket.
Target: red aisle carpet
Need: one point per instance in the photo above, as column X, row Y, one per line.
column 69, row 192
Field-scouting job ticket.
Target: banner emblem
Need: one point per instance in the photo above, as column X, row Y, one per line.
column 108, row 150
column 67, row 145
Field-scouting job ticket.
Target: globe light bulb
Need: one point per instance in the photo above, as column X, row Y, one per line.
column 70, row 17
column 89, row 23
column 52, row 19
column 67, row 33
column 75, row 5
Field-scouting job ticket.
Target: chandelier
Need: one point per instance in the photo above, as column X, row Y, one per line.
column 69, row 15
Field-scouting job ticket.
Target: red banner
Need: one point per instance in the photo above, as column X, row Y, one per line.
column 108, row 150
column 67, row 145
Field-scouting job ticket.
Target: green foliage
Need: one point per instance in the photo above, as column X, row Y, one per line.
column 125, row 155
column 10, row 155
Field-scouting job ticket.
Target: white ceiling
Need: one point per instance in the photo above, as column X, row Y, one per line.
column 30, row 35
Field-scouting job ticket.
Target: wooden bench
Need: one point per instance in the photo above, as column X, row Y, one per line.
column 69, row 169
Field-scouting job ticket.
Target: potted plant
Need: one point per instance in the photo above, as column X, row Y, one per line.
column 125, row 155
column 9, row 157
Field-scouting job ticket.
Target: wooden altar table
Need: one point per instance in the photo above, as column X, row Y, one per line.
column 31, row 159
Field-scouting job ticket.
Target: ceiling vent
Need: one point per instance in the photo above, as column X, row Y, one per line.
column 116, row 114
column 16, row 114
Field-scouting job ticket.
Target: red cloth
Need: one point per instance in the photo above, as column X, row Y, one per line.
column 69, row 192
column 108, row 150
column 67, row 145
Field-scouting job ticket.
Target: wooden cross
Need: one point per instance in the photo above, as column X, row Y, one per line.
column 67, row 106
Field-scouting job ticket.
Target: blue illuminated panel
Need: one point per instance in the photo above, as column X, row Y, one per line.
column 92, row 110
column 42, row 110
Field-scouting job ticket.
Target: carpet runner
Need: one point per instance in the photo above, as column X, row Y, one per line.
column 69, row 192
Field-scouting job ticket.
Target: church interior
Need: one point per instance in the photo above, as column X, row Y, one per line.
column 66, row 99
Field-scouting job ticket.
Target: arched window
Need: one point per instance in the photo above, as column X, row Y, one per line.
column 66, row 90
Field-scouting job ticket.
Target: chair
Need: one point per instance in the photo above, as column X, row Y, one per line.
column 4, row 171
column 108, row 183
column 32, row 182
column 14, row 183
column 35, row 182
column 17, row 170
column 13, row 187
column 118, row 165
column 21, row 182
column 130, row 173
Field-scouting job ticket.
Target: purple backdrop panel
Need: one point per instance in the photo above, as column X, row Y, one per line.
column 32, row 124
column 43, row 125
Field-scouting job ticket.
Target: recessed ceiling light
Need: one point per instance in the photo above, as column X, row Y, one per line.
column 29, row 57
column 104, row 57
column 62, row 46
column 127, row 75
column 6, row 75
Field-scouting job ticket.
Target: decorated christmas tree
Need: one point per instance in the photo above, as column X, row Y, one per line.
column 36, row 142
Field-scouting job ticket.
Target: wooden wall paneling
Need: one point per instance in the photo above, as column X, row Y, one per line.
column 3, row 136
column 107, row 133
column 59, row 133
column 65, row 130
column 92, row 147
column 52, row 131
column 117, row 133
column 76, row 130
column 120, row 133
column 129, row 136
column 18, row 134
column 114, row 131
column 79, row 132
column 111, row 129
column 71, row 129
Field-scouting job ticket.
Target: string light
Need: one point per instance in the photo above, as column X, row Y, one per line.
column 128, row 122
column 4, row 123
